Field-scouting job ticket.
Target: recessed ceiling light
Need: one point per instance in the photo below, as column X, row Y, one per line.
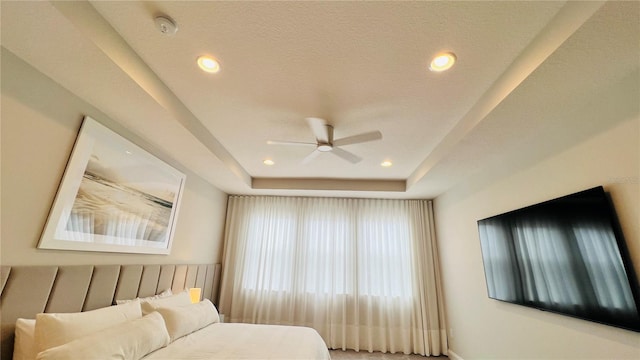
column 386, row 163
column 208, row 64
column 442, row 62
column 268, row 162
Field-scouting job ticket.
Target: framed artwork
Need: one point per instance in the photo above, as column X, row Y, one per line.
column 114, row 197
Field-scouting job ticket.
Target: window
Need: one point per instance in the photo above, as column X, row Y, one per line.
column 361, row 272
column 335, row 251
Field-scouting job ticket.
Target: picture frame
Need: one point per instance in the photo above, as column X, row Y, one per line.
column 114, row 197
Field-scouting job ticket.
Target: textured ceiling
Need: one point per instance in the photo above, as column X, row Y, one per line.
column 360, row 65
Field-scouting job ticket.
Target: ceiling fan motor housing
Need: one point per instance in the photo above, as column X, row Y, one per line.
column 325, row 143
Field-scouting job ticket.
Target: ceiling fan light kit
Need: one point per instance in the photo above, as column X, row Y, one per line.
column 325, row 143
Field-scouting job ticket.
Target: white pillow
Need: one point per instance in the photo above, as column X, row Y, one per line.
column 183, row 320
column 53, row 329
column 24, row 347
column 161, row 295
column 129, row 340
column 179, row 299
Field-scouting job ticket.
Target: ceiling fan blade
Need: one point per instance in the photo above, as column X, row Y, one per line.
column 278, row 142
column 360, row 138
column 319, row 128
column 311, row 156
column 350, row 157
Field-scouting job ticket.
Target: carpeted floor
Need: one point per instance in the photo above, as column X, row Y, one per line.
column 352, row 355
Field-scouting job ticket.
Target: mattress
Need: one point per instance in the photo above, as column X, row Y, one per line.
column 246, row 341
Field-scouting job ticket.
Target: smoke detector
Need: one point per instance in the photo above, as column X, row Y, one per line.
column 166, row 25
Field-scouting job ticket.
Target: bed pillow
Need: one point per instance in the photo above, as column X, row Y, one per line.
column 179, row 299
column 24, row 347
column 183, row 320
column 54, row 329
column 129, row 340
column 161, row 295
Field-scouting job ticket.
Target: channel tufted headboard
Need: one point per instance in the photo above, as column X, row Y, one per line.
column 29, row 290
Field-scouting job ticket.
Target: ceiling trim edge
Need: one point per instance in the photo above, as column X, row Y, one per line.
column 91, row 24
column 328, row 184
column 564, row 24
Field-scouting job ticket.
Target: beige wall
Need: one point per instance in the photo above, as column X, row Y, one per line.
column 482, row 328
column 40, row 121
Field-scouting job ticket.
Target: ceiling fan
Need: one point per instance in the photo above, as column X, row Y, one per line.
column 325, row 142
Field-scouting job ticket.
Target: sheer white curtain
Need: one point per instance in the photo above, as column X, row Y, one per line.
column 362, row 272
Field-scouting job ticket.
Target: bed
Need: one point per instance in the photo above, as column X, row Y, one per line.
column 72, row 305
column 246, row 341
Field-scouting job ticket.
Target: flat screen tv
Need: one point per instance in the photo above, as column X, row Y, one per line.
column 565, row 255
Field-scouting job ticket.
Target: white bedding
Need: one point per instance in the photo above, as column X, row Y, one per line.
column 174, row 332
column 246, row 341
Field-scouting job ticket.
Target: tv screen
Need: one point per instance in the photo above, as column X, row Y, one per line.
column 565, row 255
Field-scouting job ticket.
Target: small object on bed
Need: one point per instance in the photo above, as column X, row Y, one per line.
column 196, row 294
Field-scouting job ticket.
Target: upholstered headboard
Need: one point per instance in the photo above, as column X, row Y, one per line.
column 29, row 290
